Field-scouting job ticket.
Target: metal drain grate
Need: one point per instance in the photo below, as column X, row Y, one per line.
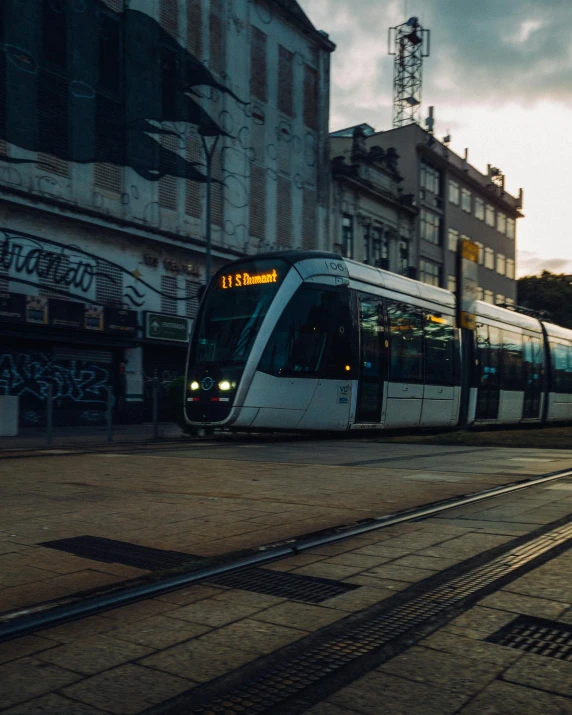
column 121, row 552
column 536, row 635
column 318, row 664
column 284, row 585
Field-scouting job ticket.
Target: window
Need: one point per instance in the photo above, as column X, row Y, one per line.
column 347, row 236
column 480, row 293
column 440, row 353
column 490, row 215
column 430, row 179
column 378, row 249
column 510, row 268
column 191, row 302
column 481, row 252
column 283, row 212
column 509, row 301
column 430, row 227
column 479, row 209
column 109, row 53
column 258, row 65
column 310, row 97
column 406, row 343
column 54, row 33
column 562, row 367
column 489, row 297
column 257, row 203
column 169, row 295
column 312, row 337
column 452, row 283
column 453, row 240
column 228, row 324
column 216, row 34
column 429, row 272
column 499, row 300
column 501, row 223
column 510, row 227
column 466, row 200
column 108, row 284
column 195, row 28
column 454, row 192
column 501, row 264
column 169, row 82
column 489, row 259
column 285, row 81
column 512, row 373
column 403, row 256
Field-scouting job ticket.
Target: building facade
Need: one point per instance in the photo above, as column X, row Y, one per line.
column 106, row 111
column 455, row 201
column 373, row 220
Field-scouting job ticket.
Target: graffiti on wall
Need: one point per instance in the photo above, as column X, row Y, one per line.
column 75, row 384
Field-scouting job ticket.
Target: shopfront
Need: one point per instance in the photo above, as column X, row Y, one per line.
column 76, row 348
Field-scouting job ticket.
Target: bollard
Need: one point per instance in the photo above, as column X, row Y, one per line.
column 155, row 411
column 50, row 414
column 109, row 414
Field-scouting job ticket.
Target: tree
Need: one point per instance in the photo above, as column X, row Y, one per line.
column 548, row 292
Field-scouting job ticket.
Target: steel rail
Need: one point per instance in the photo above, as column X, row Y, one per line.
column 44, row 616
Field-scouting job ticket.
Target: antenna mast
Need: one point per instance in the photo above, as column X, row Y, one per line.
column 408, row 43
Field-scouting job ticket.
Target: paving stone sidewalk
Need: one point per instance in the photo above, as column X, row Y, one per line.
column 139, row 656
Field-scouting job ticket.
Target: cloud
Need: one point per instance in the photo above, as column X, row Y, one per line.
column 485, row 52
column 531, row 264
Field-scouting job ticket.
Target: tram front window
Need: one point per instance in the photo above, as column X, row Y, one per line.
column 234, row 309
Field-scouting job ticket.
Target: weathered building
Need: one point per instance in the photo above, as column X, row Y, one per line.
column 453, row 200
column 106, row 111
column 373, row 220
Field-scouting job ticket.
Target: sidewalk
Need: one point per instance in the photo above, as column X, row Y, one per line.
column 73, row 437
column 179, row 650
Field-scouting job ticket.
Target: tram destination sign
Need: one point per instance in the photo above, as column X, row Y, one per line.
column 244, row 279
column 166, row 327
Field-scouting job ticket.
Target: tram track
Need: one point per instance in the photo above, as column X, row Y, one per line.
column 35, row 618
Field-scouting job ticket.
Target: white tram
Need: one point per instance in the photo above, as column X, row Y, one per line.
column 312, row 341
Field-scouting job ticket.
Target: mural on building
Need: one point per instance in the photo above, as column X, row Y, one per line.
column 68, row 270
column 99, row 96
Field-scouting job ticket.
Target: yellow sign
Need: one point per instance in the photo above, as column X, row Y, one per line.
column 467, row 321
column 469, row 250
column 243, row 279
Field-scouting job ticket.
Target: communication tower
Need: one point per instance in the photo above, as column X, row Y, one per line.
column 409, row 43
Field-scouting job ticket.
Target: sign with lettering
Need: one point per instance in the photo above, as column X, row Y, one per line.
column 121, row 322
column 467, row 282
column 12, row 307
column 166, row 327
column 244, row 279
column 66, row 314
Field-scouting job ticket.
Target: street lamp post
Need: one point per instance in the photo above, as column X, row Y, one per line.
column 214, row 133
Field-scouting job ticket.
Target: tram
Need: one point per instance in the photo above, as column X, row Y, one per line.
column 308, row 340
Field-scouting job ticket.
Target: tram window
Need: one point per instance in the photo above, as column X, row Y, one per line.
column 562, row 367
column 439, row 350
column 512, row 364
column 312, row 337
column 406, row 352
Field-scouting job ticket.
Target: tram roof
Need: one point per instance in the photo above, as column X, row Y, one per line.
column 557, row 331
column 504, row 315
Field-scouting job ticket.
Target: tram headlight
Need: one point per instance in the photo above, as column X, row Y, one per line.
column 194, row 385
column 224, row 385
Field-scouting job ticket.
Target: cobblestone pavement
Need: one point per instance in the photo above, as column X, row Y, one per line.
column 210, row 499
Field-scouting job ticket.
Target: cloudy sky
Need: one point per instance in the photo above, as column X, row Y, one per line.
column 500, row 79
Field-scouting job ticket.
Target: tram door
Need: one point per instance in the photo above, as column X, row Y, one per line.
column 533, row 374
column 372, row 363
column 488, row 354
